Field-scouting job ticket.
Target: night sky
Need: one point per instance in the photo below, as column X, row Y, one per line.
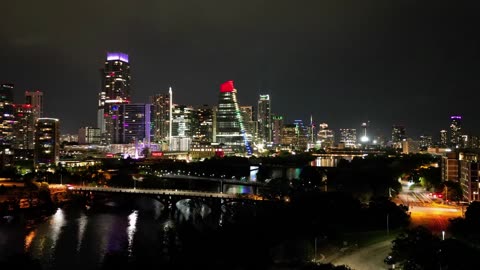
column 344, row 62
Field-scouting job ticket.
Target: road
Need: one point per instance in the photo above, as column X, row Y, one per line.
column 363, row 258
column 426, row 211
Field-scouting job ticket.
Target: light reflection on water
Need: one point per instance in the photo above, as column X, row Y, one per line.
column 28, row 240
column 75, row 238
column 82, row 224
column 131, row 229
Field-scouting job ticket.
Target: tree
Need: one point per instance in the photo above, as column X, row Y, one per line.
column 416, row 249
column 472, row 215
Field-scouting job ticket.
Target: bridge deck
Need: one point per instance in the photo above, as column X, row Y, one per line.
column 167, row 192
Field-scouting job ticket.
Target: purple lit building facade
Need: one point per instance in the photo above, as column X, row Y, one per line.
column 115, row 93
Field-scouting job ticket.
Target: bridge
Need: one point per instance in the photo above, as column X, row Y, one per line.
column 166, row 192
column 167, row 197
column 221, row 181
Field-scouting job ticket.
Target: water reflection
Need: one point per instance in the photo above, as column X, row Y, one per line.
column 75, row 238
column 28, row 239
column 131, row 229
column 56, row 223
column 82, row 225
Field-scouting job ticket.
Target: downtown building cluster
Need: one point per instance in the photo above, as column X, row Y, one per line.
column 24, row 133
column 229, row 127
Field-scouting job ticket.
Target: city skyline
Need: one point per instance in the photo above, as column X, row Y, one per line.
column 404, row 71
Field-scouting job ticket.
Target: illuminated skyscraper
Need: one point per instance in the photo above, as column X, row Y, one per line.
column 455, row 130
column 264, row 118
column 443, row 138
column 135, row 119
column 182, row 128
column 277, row 127
column 398, row 135
column 426, row 141
column 325, row 136
column 47, row 142
column 230, row 129
column 248, row 122
column 115, row 92
column 161, row 117
column 35, row 100
column 348, row 136
column 23, row 131
column 7, row 116
column 203, row 125
column 365, row 139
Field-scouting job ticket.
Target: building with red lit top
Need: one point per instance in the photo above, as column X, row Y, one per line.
column 230, row 129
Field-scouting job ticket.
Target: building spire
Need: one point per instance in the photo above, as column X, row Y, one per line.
column 170, row 94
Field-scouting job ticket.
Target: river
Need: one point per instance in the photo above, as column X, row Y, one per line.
column 77, row 238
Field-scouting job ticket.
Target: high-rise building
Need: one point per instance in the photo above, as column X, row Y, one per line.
column 182, row 127
column 325, row 136
column 7, row 116
column 365, row 137
column 230, row 129
column 248, row 122
column 203, row 125
column 115, row 93
column 47, row 142
column 23, row 131
column 426, row 141
column 443, row 138
column 89, row 135
column 34, row 99
column 348, row 136
column 455, row 130
column 135, row 119
column 398, row 135
column 264, row 118
column 161, row 117
column 289, row 135
column 277, row 126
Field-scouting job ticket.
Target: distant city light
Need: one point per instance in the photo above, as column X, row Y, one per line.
column 364, row 139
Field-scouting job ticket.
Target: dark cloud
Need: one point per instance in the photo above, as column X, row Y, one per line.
column 341, row 61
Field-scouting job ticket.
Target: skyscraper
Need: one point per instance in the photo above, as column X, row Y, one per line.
column 23, row 131
column 443, row 138
column 455, row 130
column 277, row 127
column 248, row 122
column 35, row 100
column 398, row 135
column 230, row 129
column 115, row 92
column 160, row 116
column 182, row 129
column 203, row 125
column 7, row 116
column 136, row 123
column 348, row 136
column 325, row 136
column 47, row 142
column 264, row 118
